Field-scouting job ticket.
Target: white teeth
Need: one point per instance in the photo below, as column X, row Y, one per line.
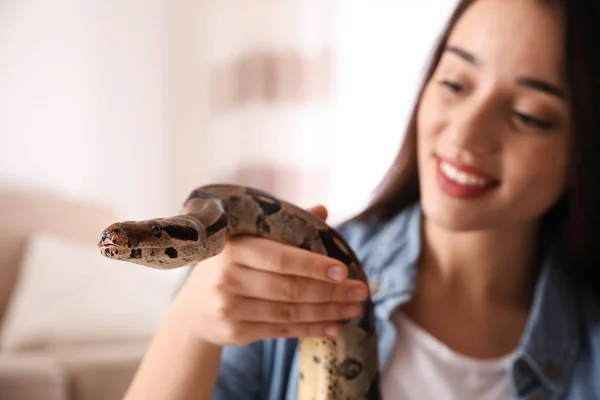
column 462, row 177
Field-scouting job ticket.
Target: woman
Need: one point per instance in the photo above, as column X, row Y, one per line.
column 479, row 247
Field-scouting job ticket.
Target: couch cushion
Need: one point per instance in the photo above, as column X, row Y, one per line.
column 31, row 377
column 25, row 210
column 69, row 292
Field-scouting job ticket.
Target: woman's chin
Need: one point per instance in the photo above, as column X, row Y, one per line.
column 458, row 215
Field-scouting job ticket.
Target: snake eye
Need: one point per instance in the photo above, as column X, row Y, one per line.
column 156, row 230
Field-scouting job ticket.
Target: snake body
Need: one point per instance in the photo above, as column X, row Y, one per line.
column 342, row 368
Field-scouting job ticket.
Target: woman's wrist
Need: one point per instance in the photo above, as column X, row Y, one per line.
column 193, row 363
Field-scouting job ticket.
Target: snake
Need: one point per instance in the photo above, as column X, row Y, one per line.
column 344, row 367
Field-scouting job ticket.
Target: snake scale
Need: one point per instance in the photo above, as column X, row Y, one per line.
column 342, row 368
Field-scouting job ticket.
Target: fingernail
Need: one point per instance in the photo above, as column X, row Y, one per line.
column 332, row 331
column 356, row 294
column 336, row 273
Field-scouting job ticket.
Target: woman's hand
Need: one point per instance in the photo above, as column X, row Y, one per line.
column 260, row 289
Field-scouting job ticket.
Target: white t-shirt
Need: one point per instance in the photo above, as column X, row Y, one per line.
column 421, row 367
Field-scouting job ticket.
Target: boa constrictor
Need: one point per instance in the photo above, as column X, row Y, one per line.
column 343, row 368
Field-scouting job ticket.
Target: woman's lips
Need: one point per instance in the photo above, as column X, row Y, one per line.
column 468, row 169
column 462, row 181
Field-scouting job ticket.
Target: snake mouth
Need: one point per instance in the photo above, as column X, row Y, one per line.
column 111, row 250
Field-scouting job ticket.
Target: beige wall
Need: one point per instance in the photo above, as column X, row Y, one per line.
column 84, row 100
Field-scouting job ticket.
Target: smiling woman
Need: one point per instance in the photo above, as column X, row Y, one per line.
column 494, row 107
column 481, row 246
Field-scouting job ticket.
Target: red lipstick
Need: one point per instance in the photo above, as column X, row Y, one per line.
column 459, row 190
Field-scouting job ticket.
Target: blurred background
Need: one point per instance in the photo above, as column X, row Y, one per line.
column 115, row 110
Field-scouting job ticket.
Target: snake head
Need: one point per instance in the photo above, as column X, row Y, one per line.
column 116, row 239
column 158, row 243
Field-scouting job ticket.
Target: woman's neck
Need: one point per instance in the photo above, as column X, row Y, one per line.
column 484, row 267
column 474, row 290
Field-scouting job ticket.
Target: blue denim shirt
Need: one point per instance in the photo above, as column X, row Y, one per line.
column 559, row 354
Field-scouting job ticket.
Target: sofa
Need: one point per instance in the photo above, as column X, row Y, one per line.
column 41, row 355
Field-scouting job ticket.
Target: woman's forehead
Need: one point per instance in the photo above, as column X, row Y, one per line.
column 516, row 37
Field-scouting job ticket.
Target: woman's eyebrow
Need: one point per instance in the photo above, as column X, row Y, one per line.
column 462, row 53
column 527, row 81
column 542, row 86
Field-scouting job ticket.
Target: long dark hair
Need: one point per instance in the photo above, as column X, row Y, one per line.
column 574, row 221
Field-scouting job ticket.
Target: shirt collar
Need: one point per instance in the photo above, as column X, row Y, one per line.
column 391, row 263
column 549, row 344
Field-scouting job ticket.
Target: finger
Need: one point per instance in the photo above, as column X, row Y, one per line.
column 271, row 256
column 256, row 310
column 320, row 211
column 253, row 283
column 247, row 332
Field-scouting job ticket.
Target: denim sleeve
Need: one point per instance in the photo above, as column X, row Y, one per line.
column 240, row 373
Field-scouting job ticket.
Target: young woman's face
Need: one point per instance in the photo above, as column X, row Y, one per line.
column 493, row 128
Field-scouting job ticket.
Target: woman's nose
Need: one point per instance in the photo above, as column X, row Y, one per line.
column 476, row 127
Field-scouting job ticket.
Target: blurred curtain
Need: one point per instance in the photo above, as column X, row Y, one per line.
column 310, row 99
column 271, row 74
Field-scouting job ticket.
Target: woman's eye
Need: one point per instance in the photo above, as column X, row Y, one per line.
column 453, row 86
column 534, row 122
